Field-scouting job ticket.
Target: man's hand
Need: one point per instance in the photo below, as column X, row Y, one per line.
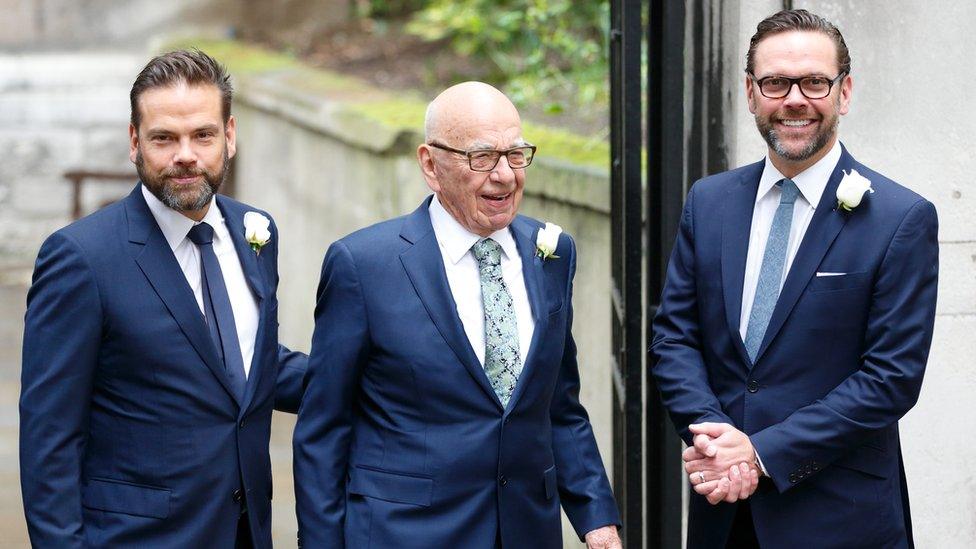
column 720, row 464
column 603, row 538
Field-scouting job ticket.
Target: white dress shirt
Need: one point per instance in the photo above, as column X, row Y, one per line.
column 175, row 227
column 811, row 183
column 464, row 278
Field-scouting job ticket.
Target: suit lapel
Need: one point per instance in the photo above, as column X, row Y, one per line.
column 823, row 229
column 249, row 259
column 234, row 218
column 159, row 265
column 535, row 287
column 736, row 226
column 425, row 267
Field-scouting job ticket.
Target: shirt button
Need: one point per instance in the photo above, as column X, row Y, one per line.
column 753, row 386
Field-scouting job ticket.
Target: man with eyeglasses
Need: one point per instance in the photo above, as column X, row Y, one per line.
column 796, row 319
column 442, row 401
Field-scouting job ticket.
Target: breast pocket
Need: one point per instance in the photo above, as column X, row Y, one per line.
column 833, row 283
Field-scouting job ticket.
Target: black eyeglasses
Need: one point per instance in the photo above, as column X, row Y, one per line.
column 812, row 87
column 485, row 160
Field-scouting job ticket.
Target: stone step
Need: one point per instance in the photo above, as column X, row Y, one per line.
column 68, row 72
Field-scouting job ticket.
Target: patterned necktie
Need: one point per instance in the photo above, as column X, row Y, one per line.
column 217, row 308
column 771, row 272
column 502, row 362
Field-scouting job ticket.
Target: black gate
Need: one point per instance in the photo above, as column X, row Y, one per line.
column 682, row 137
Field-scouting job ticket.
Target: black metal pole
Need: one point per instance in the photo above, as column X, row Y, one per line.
column 666, row 147
column 627, row 256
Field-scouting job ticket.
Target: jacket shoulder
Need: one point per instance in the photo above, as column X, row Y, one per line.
column 720, row 182
column 95, row 229
column 889, row 195
column 374, row 238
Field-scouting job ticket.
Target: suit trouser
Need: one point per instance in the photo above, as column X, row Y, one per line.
column 743, row 534
column 243, row 533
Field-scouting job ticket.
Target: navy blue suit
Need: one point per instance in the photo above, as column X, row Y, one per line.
column 841, row 362
column 130, row 435
column 401, row 441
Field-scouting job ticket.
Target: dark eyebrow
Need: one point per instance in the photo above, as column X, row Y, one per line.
column 209, row 127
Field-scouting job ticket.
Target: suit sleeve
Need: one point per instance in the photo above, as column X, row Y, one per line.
column 679, row 367
column 289, row 386
column 291, row 364
column 62, row 331
column 584, row 490
column 896, row 346
column 324, row 428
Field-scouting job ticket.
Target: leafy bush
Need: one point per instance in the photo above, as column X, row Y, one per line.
column 549, row 51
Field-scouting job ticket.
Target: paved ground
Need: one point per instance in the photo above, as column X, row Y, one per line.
column 13, row 531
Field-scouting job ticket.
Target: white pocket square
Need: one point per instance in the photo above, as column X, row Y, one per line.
column 827, row 273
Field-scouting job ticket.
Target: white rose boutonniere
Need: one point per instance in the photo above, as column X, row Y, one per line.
column 256, row 230
column 547, row 240
column 851, row 190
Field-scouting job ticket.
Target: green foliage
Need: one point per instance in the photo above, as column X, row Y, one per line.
column 389, row 8
column 549, row 52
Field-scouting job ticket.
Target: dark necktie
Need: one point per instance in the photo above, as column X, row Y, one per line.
column 217, row 308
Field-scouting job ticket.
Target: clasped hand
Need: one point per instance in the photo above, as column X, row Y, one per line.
column 721, row 463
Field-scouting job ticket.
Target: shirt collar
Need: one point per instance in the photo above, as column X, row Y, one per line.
column 811, row 181
column 456, row 241
column 175, row 225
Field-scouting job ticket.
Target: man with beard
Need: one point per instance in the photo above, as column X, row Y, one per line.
column 151, row 359
column 796, row 318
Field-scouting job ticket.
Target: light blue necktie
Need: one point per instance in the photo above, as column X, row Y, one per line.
column 771, row 272
column 502, row 362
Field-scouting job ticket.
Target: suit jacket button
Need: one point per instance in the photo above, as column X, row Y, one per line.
column 753, row 386
column 241, row 425
column 502, row 480
column 238, row 495
column 793, row 478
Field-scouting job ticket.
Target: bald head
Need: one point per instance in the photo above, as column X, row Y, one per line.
column 463, row 105
column 468, row 121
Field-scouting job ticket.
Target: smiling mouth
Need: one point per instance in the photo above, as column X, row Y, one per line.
column 496, row 197
column 793, row 123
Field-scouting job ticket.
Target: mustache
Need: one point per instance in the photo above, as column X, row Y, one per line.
column 182, row 171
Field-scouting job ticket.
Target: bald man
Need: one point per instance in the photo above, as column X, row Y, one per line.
column 442, row 399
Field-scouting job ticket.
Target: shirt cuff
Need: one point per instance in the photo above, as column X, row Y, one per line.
column 760, row 464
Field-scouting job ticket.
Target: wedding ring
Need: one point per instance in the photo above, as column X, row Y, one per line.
column 701, row 477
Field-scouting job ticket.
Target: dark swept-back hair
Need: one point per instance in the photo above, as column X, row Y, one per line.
column 798, row 20
column 190, row 67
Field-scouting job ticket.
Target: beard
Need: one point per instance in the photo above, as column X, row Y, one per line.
column 828, row 128
column 182, row 200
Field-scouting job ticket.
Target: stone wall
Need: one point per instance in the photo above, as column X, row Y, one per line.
column 58, row 112
column 31, row 25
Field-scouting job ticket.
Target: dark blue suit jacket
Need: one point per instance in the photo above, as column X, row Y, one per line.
column 130, row 435
column 842, row 359
column 401, row 441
